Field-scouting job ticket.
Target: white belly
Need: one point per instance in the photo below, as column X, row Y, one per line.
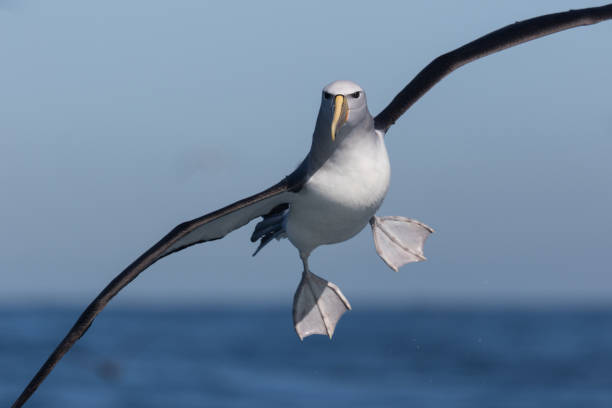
column 340, row 198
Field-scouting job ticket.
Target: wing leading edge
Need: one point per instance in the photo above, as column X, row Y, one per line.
column 506, row 37
column 214, row 225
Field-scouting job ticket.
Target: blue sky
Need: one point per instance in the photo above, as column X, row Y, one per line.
column 119, row 120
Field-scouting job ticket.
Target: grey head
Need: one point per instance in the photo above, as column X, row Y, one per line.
column 343, row 116
column 344, row 107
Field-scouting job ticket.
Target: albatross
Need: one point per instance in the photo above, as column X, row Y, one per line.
column 333, row 194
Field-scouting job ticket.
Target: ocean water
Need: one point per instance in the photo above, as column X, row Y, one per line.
column 379, row 357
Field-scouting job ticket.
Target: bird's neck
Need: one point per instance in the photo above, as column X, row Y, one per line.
column 323, row 147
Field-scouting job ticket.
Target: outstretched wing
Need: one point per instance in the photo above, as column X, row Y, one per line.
column 208, row 227
column 501, row 39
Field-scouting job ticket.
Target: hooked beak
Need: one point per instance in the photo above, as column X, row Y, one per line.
column 341, row 113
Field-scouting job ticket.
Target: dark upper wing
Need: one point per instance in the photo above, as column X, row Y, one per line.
column 208, row 227
column 503, row 38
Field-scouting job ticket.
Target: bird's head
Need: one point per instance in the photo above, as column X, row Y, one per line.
column 344, row 104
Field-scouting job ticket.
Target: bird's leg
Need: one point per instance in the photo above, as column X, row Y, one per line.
column 317, row 304
column 399, row 240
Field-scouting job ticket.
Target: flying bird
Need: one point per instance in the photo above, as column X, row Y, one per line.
column 333, row 194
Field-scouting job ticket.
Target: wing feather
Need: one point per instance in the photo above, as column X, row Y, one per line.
column 209, row 227
column 505, row 37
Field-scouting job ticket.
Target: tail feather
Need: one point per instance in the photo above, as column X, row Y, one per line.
column 266, row 238
column 271, row 227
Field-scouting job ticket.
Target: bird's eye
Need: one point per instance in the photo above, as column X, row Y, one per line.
column 356, row 94
column 327, row 95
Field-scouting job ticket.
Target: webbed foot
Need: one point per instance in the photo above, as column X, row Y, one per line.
column 399, row 240
column 317, row 306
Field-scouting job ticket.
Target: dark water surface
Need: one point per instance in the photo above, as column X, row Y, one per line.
column 412, row 357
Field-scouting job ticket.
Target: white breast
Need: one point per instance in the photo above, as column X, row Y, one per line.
column 341, row 196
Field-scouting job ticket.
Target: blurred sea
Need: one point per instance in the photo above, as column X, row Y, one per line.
column 386, row 357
